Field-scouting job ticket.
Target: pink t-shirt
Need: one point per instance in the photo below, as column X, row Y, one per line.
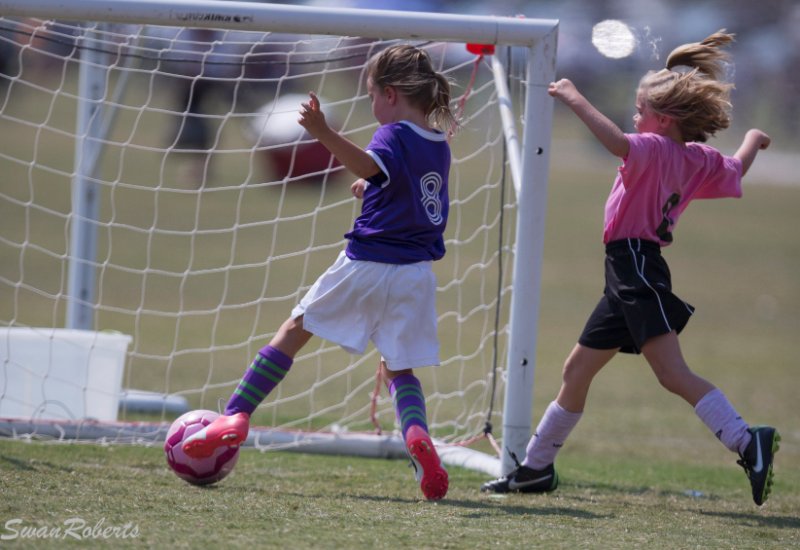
column 657, row 181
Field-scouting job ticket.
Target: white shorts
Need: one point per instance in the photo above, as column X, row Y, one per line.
column 393, row 305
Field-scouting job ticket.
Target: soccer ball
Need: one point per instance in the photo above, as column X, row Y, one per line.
column 197, row 471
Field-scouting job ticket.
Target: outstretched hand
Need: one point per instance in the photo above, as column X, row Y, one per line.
column 609, row 134
column 760, row 139
column 353, row 157
column 564, row 90
column 311, row 116
column 754, row 141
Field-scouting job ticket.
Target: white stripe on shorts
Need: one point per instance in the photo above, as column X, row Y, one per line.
column 640, row 272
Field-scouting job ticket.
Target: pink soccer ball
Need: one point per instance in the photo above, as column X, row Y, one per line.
column 197, row 471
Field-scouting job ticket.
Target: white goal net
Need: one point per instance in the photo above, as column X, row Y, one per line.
column 161, row 212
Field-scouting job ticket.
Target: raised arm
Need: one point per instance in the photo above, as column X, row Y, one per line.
column 754, row 140
column 608, row 133
column 353, row 157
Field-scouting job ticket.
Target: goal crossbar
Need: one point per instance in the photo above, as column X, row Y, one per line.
column 511, row 31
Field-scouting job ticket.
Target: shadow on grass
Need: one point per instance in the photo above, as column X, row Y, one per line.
column 480, row 508
column 491, row 508
column 34, row 465
column 606, row 488
column 609, row 488
column 757, row 520
column 17, row 464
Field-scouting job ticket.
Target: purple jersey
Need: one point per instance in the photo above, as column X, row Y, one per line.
column 405, row 208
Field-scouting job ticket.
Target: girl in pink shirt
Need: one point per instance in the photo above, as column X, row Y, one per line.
column 665, row 166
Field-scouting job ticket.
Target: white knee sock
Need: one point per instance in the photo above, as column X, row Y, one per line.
column 718, row 414
column 552, row 431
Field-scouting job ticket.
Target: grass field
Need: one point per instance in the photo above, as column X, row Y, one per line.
column 640, row 470
column 607, row 499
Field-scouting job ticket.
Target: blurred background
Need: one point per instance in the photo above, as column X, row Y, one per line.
column 765, row 58
column 765, row 65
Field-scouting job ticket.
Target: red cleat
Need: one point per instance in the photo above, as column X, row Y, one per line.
column 225, row 431
column 431, row 475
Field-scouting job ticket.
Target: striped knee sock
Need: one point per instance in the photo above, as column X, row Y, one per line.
column 265, row 372
column 409, row 402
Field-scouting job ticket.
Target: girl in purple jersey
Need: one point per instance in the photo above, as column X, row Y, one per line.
column 664, row 167
column 381, row 287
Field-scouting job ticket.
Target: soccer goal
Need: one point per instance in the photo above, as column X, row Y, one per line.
column 161, row 212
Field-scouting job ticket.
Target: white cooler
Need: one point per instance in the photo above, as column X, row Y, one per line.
column 61, row 374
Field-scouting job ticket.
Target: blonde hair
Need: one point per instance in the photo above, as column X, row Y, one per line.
column 409, row 69
column 691, row 89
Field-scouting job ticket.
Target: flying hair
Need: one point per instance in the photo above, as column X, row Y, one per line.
column 410, row 71
column 692, row 89
column 706, row 56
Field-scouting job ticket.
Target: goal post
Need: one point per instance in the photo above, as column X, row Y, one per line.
column 201, row 271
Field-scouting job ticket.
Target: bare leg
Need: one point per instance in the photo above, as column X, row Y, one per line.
column 267, row 370
column 709, row 403
column 664, row 355
column 580, row 369
column 388, row 375
column 536, row 473
column 291, row 337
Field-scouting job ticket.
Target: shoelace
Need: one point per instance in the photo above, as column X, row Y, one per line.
column 514, row 458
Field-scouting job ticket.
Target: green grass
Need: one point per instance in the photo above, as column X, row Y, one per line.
column 286, row 500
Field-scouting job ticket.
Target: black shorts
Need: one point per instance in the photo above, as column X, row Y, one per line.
column 637, row 302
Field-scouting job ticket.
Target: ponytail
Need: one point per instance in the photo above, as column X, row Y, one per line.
column 441, row 114
column 706, row 56
column 691, row 90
